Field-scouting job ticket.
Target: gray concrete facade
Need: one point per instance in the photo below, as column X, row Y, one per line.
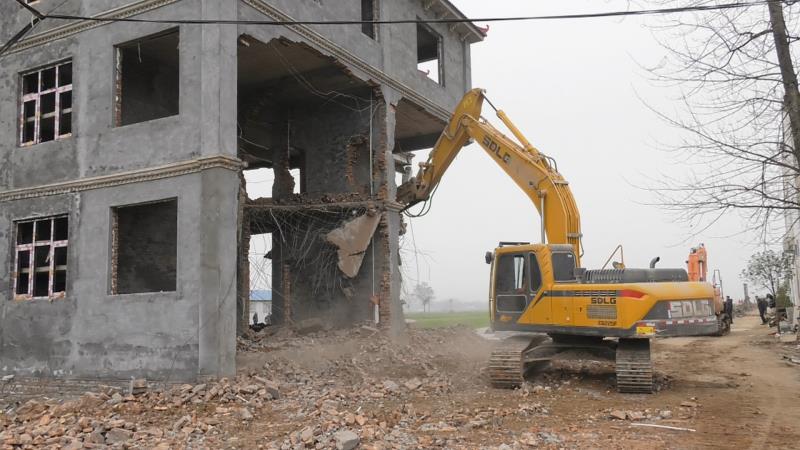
column 193, row 157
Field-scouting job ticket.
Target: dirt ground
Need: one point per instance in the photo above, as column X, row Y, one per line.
column 428, row 389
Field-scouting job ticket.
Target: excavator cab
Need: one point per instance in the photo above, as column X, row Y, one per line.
column 519, row 272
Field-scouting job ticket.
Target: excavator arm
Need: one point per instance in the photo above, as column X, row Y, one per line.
column 536, row 174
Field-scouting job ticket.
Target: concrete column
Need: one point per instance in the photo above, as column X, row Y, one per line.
column 218, row 79
column 387, row 238
column 220, row 191
column 218, row 273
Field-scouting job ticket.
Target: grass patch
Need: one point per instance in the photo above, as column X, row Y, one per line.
column 474, row 319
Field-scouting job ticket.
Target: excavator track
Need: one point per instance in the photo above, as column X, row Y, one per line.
column 506, row 365
column 634, row 367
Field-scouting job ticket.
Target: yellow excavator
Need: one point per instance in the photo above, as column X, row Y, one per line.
column 607, row 314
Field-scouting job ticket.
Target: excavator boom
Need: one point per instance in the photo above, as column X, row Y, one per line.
column 531, row 170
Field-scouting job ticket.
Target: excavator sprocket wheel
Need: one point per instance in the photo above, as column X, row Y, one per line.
column 634, row 367
column 506, row 366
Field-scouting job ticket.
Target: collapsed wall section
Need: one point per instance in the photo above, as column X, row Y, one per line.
column 335, row 236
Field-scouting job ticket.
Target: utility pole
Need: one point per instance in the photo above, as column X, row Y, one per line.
column 791, row 98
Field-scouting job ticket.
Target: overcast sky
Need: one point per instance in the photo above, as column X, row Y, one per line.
column 576, row 89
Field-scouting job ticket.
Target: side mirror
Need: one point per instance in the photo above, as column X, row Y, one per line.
column 489, row 257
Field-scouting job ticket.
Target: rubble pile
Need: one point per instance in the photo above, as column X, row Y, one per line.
column 342, row 389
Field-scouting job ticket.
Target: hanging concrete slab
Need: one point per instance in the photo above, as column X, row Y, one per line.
column 352, row 240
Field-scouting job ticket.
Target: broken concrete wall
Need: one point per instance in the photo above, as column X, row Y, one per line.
column 307, row 279
column 335, row 141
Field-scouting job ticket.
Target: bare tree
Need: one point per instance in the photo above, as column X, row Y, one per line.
column 740, row 122
column 423, row 292
column 770, row 270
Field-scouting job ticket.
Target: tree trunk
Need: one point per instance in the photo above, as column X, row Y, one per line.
column 788, row 75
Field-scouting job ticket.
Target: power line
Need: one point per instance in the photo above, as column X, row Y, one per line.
column 38, row 17
column 421, row 21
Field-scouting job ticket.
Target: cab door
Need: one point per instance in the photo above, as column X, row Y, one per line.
column 562, row 302
column 511, row 289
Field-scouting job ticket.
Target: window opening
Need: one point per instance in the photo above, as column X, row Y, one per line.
column 46, row 106
column 148, row 80
column 429, row 53
column 564, row 266
column 536, row 274
column 510, row 274
column 40, row 262
column 369, row 13
column 260, row 259
column 144, row 248
column 261, row 181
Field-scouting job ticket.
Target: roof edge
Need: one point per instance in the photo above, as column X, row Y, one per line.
column 475, row 35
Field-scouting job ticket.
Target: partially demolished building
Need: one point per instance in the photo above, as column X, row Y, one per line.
column 124, row 216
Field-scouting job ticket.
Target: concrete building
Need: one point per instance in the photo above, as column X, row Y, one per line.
column 261, row 305
column 124, row 219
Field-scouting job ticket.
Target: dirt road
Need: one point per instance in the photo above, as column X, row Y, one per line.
column 429, row 390
column 750, row 397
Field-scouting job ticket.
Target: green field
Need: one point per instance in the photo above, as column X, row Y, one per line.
column 474, row 319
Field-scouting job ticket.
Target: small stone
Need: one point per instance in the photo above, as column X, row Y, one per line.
column 390, row 386
column 138, row 386
column 245, row 414
column 635, row 415
column 619, row 415
column 95, row 437
column 270, row 386
column 118, row 435
column 690, row 404
column 665, row 414
column 346, row 440
column 115, row 399
column 413, row 385
column 180, row 423
column 307, row 434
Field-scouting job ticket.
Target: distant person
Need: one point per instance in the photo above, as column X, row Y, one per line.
column 762, row 309
column 255, row 318
column 729, row 307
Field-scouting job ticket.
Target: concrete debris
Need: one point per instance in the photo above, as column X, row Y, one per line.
column 138, row 386
column 118, row 435
column 327, row 389
column 352, row 239
column 346, row 440
column 619, row 415
column 245, row 414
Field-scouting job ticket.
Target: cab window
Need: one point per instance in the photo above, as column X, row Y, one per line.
column 510, row 274
column 536, row 274
column 563, row 266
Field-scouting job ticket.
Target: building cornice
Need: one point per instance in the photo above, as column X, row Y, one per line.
column 123, row 178
column 69, row 29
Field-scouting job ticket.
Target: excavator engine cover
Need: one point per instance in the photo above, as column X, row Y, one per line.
column 634, row 276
